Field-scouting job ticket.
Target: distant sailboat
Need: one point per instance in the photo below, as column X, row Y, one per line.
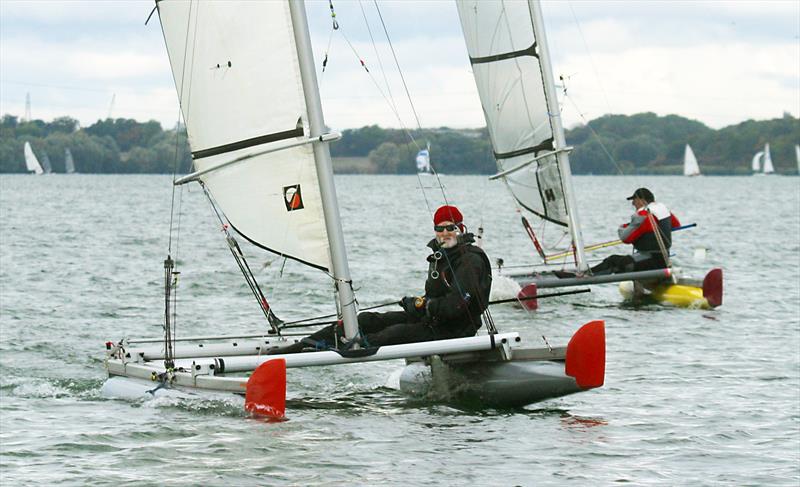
column 756, row 166
column 31, row 162
column 424, row 161
column 768, row 169
column 48, row 168
column 690, row 166
column 69, row 164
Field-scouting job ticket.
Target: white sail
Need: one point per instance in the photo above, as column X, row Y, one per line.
column 424, row 162
column 238, row 79
column 768, row 169
column 31, row 162
column 46, row 166
column 515, row 82
column 69, row 163
column 690, row 166
column 501, row 42
column 756, row 165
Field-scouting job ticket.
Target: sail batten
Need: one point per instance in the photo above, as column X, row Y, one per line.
column 255, row 141
column 531, row 51
column 237, row 74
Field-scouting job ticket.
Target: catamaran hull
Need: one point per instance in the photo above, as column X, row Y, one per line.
column 500, row 385
column 650, row 286
column 684, row 294
column 493, row 369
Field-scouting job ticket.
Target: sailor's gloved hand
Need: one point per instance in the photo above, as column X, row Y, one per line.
column 413, row 305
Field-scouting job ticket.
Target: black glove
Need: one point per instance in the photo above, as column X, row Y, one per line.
column 413, row 305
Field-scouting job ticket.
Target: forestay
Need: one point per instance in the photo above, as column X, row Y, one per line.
column 503, row 50
column 238, row 80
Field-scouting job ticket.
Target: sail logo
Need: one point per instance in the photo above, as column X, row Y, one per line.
column 549, row 194
column 293, row 197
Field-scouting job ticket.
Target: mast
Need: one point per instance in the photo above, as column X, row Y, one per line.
column 322, row 157
column 559, row 141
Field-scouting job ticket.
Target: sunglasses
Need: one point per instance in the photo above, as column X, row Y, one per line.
column 441, row 228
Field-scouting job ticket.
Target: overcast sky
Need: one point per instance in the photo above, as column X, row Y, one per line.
column 719, row 62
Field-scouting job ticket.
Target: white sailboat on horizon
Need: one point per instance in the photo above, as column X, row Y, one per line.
column 69, row 163
column 768, row 168
column 690, row 166
column 762, row 162
column 31, row 162
column 423, row 161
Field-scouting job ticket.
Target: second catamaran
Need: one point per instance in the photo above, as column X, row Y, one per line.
column 510, row 60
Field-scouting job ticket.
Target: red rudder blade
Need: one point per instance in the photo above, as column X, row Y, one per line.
column 266, row 390
column 586, row 355
column 528, row 291
column 712, row 287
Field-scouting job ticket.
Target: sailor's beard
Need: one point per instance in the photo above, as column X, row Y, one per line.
column 448, row 243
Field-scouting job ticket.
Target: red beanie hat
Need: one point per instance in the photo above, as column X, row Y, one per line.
column 447, row 213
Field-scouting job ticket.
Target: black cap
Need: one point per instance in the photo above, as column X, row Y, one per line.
column 644, row 194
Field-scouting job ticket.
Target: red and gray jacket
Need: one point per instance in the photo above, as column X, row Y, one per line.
column 640, row 231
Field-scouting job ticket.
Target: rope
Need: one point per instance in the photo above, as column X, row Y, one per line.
column 241, row 261
column 659, row 237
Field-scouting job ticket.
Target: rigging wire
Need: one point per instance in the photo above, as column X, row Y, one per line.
column 392, row 106
column 244, row 267
column 592, row 130
column 397, row 63
column 170, row 264
column 377, row 56
column 591, row 58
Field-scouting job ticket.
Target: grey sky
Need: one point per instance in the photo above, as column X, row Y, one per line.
column 718, row 62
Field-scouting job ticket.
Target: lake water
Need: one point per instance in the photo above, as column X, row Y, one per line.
column 691, row 397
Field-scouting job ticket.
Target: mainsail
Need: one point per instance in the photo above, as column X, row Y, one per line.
column 238, row 78
column 797, row 156
column 507, row 49
column 48, row 168
column 69, row 163
column 690, row 166
column 756, row 164
column 768, row 168
column 31, row 162
column 424, row 161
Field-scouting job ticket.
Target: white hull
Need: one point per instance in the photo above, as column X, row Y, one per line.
column 495, row 370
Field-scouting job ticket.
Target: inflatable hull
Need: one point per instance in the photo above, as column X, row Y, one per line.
column 685, row 294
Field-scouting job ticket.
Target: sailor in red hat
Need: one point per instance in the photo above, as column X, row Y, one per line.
column 456, row 295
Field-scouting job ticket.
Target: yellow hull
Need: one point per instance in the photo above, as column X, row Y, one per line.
column 671, row 294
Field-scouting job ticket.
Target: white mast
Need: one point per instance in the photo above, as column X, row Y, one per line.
column 558, row 133
column 322, row 156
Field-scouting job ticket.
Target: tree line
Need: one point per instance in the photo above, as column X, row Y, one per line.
column 111, row 146
column 644, row 143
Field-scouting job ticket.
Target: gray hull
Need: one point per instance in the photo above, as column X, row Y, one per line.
column 496, row 384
